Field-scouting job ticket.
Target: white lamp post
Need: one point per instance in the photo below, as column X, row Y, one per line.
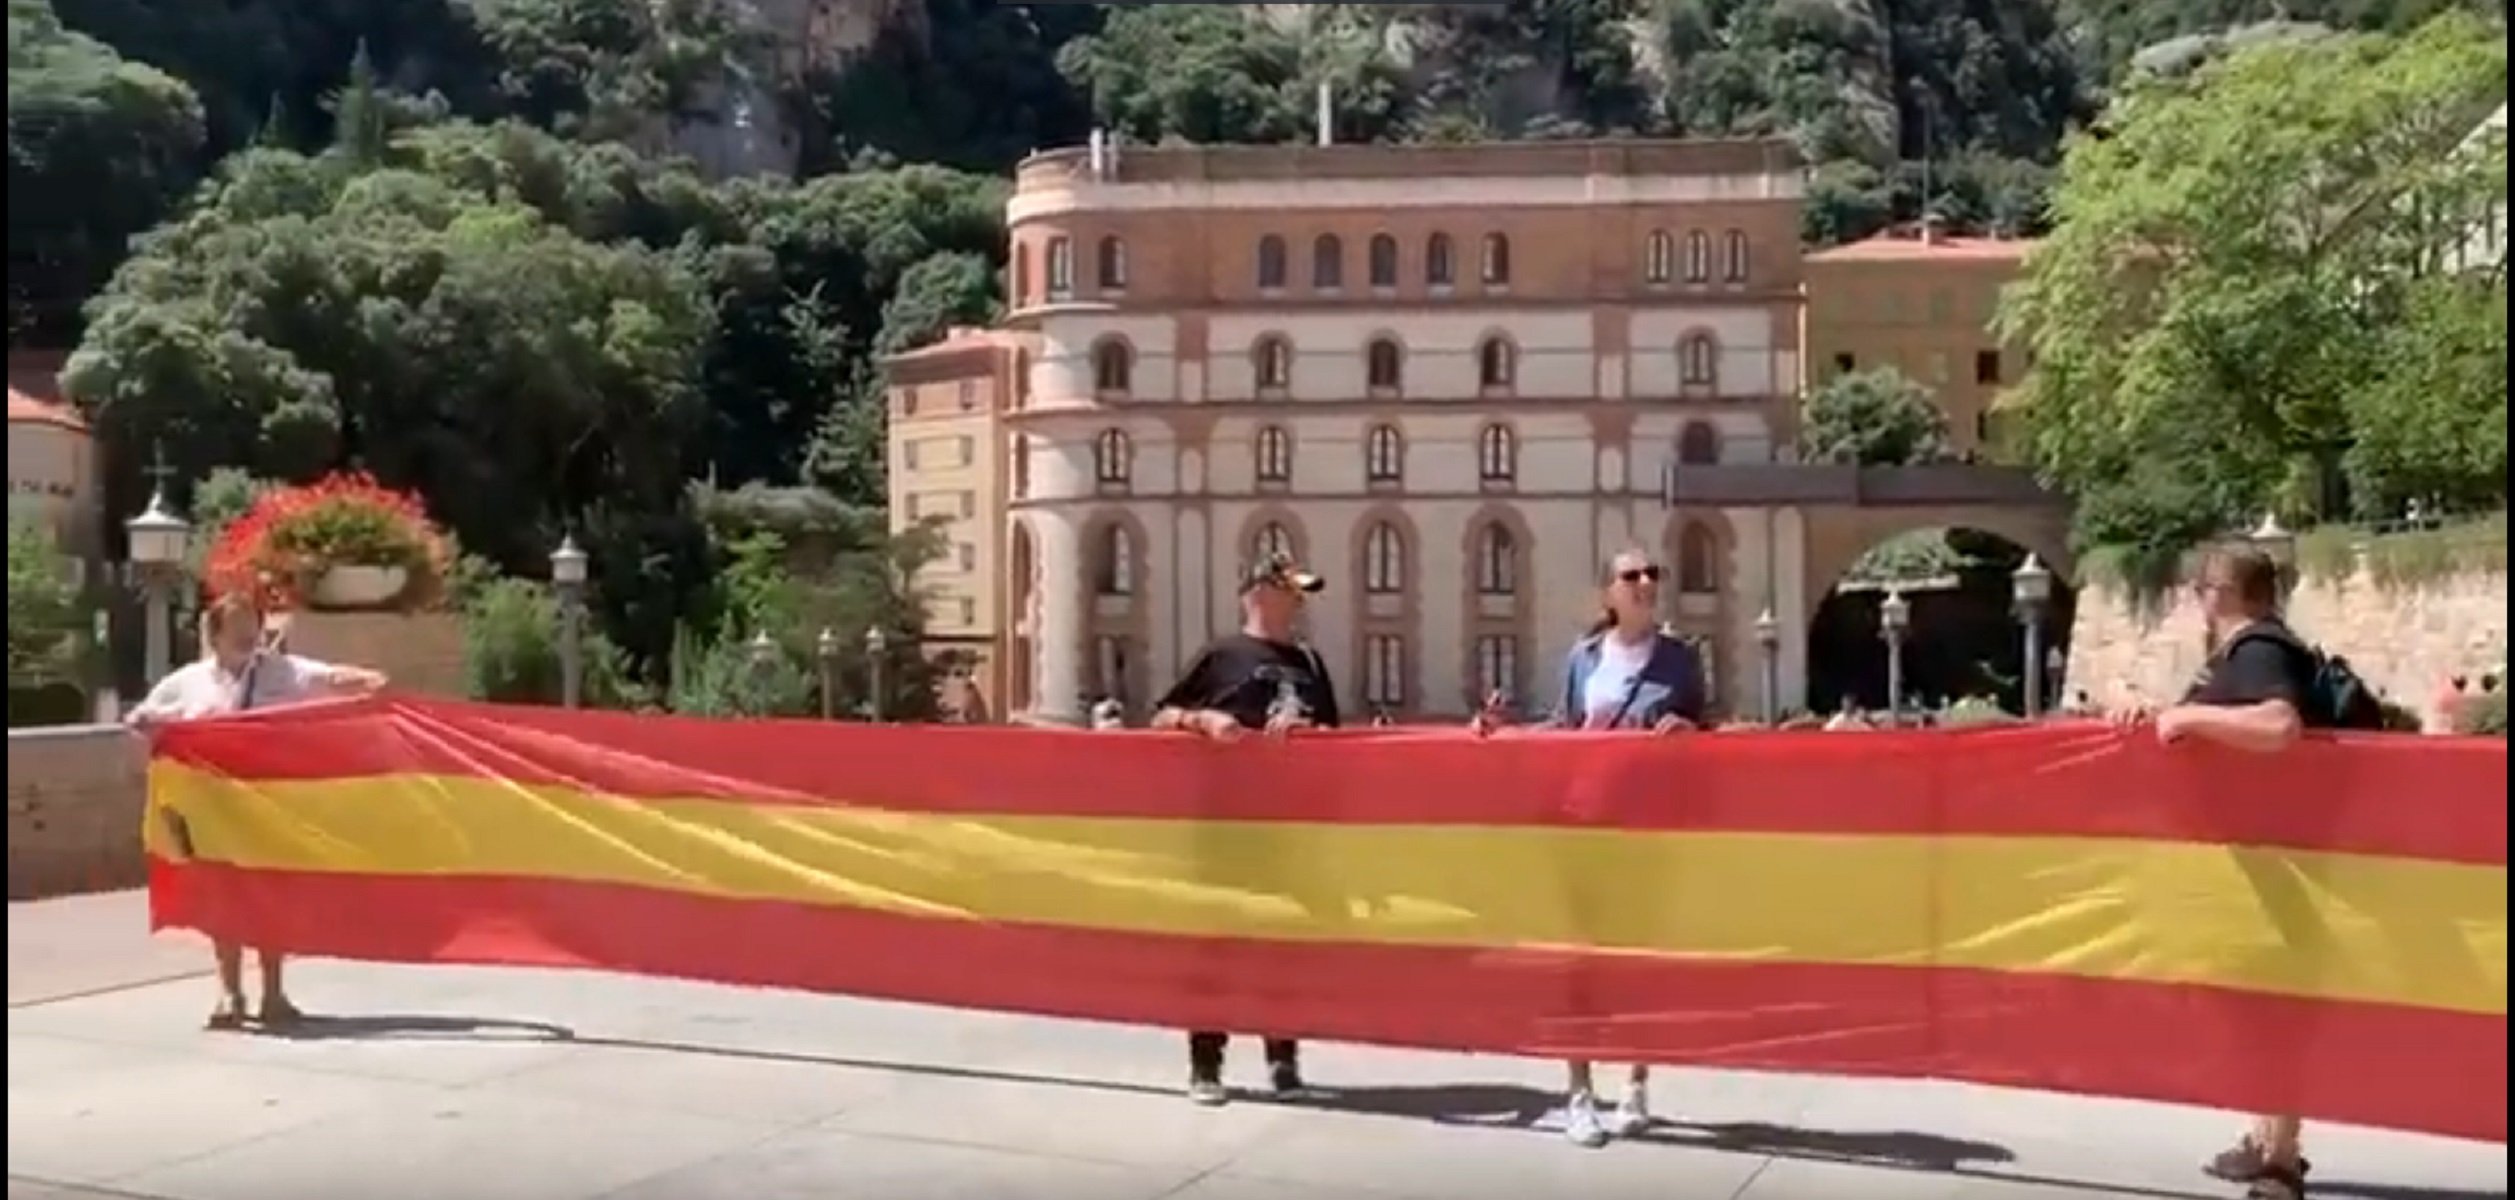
column 1768, row 644
column 825, row 655
column 2033, row 587
column 877, row 648
column 160, row 542
column 567, row 577
column 1894, row 620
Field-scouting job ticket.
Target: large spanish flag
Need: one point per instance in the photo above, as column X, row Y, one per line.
column 2321, row 931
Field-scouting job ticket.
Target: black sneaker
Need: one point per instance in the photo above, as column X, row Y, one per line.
column 1285, row 1078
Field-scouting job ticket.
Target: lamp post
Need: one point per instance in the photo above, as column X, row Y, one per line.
column 567, row 577
column 1768, row 644
column 876, row 647
column 2032, row 585
column 160, row 541
column 2280, row 546
column 825, row 652
column 1894, row 620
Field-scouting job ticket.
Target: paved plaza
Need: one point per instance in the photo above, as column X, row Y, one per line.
column 452, row 1083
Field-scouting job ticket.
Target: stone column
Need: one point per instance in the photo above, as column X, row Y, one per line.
column 1057, row 647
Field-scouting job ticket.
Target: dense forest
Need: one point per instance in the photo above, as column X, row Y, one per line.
column 545, row 259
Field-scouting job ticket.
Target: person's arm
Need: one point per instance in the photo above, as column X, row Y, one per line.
column 1182, row 708
column 159, row 706
column 334, row 679
column 2262, row 677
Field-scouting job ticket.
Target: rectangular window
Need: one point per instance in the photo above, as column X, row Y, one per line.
column 968, row 448
column 1986, row 366
column 969, row 395
column 969, row 556
column 908, row 456
column 969, row 611
column 916, row 510
column 1384, row 671
column 969, row 504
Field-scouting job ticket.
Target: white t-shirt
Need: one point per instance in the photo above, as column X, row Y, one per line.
column 204, row 689
column 1611, row 681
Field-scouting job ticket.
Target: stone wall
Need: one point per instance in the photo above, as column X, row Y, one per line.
column 76, row 795
column 421, row 652
column 2407, row 639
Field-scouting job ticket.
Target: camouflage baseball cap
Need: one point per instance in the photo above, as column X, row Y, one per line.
column 1279, row 570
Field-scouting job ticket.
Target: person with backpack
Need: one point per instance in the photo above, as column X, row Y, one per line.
column 1261, row 679
column 2259, row 691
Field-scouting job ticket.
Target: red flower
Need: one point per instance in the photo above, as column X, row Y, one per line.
column 264, row 552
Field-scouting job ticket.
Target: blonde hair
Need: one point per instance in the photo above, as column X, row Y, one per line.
column 222, row 614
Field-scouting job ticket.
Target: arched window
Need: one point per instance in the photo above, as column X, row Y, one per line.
column 1496, row 363
column 1113, row 265
column 1327, row 262
column 1270, row 264
column 1698, row 256
column 1439, row 267
column 1497, row 455
column 1698, row 359
column 1274, row 455
column 1659, row 257
column 1113, row 367
column 1113, row 457
column 1385, row 364
column 1497, row 561
column 1383, row 261
column 1384, row 671
column 1497, row 259
column 1733, row 256
column 1272, row 356
column 1699, row 444
column 1383, row 455
column 1698, row 553
column 1021, row 275
column 1113, row 562
column 1383, row 560
column 1272, row 539
column 1497, row 666
column 1060, row 268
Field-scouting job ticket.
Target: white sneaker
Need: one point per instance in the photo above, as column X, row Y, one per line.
column 1208, row 1093
column 1632, row 1116
column 1581, row 1125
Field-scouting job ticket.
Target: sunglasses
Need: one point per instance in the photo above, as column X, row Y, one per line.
column 1638, row 574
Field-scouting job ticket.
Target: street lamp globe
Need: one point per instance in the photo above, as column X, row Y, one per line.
column 825, row 646
column 1767, row 628
column 1895, row 612
column 567, row 564
column 763, row 650
column 2032, row 583
column 2275, row 541
column 159, row 538
column 876, row 641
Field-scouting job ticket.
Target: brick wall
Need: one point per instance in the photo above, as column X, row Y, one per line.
column 76, row 795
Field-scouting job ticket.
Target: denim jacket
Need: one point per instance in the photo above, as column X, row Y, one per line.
column 1670, row 684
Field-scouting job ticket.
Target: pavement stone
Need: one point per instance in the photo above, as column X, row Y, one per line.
column 446, row 1083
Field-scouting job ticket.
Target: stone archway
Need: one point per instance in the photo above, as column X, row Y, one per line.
column 1963, row 638
column 1836, row 537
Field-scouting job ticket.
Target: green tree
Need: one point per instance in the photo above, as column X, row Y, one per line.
column 46, row 619
column 2430, row 425
column 2226, row 264
column 99, row 150
column 1872, row 418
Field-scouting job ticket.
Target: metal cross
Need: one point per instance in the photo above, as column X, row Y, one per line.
column 159, row 471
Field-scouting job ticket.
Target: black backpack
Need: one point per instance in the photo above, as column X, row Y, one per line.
column 2336, row 697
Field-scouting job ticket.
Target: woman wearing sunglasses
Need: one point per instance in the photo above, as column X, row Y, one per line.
column 1623, row 674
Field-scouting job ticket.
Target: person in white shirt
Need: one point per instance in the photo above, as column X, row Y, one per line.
column 1625, row 673
column 240, row 668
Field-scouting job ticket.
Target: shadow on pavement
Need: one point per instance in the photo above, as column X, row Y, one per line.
column 2391, row 1191
column 1500, row 1106
column 412, row 1027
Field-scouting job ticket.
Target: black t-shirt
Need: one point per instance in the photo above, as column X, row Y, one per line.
column 2260, row 664
column 1243, row 675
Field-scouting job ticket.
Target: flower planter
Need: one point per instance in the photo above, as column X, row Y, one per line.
column 342, row 588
